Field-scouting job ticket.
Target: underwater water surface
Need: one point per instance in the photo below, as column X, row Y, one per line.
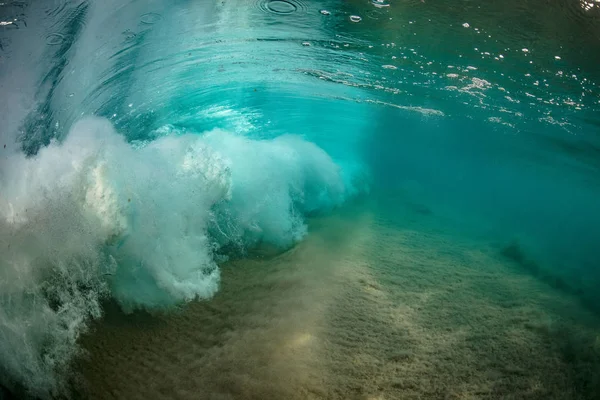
column 293, row 199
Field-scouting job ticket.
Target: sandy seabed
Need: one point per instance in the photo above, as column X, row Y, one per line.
column 363, row 308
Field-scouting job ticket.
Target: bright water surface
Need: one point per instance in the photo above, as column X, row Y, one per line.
column 374, row 199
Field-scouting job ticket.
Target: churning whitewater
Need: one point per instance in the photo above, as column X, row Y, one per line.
column 145, row 223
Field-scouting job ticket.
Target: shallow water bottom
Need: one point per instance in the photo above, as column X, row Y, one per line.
column 363, row 308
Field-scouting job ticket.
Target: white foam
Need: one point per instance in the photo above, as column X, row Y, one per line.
column 95, row 216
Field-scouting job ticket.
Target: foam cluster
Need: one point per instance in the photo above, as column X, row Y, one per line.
column 94, row 216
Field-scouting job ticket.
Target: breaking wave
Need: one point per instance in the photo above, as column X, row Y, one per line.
column 145, row 223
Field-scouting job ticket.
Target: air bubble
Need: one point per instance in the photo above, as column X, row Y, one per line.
column 129, row 35
column 380, row 3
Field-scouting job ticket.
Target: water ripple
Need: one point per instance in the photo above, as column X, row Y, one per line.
column 281, row 7
column 54, row 39
column 57, row 10
column 150, row 18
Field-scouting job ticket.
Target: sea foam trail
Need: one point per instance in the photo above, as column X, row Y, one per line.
column 94, row 216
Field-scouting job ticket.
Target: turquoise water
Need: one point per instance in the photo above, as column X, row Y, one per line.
column 150, row 145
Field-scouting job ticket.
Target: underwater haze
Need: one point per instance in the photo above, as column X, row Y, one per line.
column 294, row 199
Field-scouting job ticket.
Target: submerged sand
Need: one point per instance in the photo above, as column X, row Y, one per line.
column 361, row 309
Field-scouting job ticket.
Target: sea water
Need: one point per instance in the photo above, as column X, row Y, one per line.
column 294, row 199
